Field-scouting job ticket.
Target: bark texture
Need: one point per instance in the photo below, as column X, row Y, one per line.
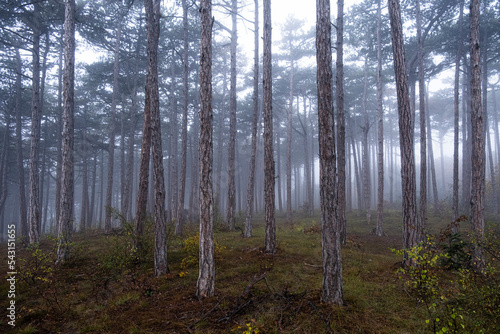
column 34, row 192
column 231, row 186
column 478, row 150
column 406, row 122
column 185, row 91
column 19, row 148
column 247, row 233
column 331, row 292
column 380, row 154
column 269, row 172
column 206, row 279
column 341, row 156
column 423, row 135
column 65, row 224
column 152, row 9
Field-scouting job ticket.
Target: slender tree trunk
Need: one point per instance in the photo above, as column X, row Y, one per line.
column 251, row 178
column 123, row 181
column 269, row 172
column 220, row 132
column 142, row 191
column 206, row 279
column 341, row 172
column 406, row 121
column 41, row 101
column 307, row 162
column 34, row 196
column 4, row 165
column 485, row 115
column 279, row 179
column 92, row 210
column 85, row 186
column 497, row 138
column 348, row 178
column 431, row 156
column 173, row 146
column 466, row 140
column 46, row 205
column 289, row 150
column 331, row 292
column 65, row 224
column 423, row 134
column 357, row 176
column 59, row 127
column 380, row 157
column 127, row 202
column 366, row 154
column 231, row 187
column 152, row 9
column 478, row 151
column 19, row 149
column 185, row 91
column 111, row 148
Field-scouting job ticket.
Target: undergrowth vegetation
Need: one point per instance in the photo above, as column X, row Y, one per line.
column 109, row 287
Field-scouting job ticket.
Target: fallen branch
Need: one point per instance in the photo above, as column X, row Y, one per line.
column 244, row 297
column 254, row 281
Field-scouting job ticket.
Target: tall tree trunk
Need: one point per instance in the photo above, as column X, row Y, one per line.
column 251, row 178
column 185, row 91
column 359, row 194
column 194, row 202
column 4, row 165
column 206, row 279
column 307, row 163
column 111, row 148
column 366, row 152
column 348, row 178
column 485, row 115
column 341, row 169
column 123, row 181
column 423, row 134
column 220, row 133
column 65, row 224
column 432, row 166
column 478, row 151
column 152, row 9
column 231, row 187
column 173, row 146
column 92, row 211
column 497, row 138
column 46, row 205
column 279, row 179
column 380, row 157
column 19, row 149
column 127, row 203
column 406, row 121
column 269, row 172
column 142, row 191
column 44, row 151
column 331, row 292
column 466, row 139
column 289, row 150
column 391, row 167
column 85, row 186
column 34, row 196
column 59, row 126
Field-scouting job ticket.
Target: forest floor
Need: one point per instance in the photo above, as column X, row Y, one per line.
column 104, row 289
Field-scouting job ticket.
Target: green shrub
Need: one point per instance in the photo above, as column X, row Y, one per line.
column 457, row 299
column 191, row 246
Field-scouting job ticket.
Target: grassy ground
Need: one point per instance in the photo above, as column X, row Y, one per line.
column 105, row 290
